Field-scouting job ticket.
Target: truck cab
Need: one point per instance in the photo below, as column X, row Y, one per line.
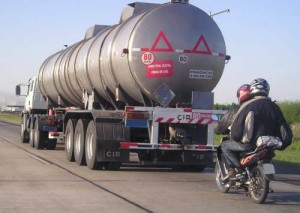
column 33, row 97
column 34, row 104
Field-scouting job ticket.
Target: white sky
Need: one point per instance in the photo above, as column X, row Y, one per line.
column 262, row 37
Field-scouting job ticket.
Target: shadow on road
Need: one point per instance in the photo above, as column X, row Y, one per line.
column 287, row 168
column 284, row 198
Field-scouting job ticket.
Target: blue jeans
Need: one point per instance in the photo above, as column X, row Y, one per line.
column 232, row 150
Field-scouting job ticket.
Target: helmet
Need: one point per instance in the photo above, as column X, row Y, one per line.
column 259, row 87
column 243, row 93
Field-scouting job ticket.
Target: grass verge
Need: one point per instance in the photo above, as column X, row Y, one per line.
column 10, row 118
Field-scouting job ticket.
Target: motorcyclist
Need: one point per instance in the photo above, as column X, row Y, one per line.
column 259, row 116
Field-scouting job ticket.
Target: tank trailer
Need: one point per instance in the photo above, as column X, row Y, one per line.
column 138, row 92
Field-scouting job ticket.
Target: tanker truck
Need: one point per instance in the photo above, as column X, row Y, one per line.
column 138, row 92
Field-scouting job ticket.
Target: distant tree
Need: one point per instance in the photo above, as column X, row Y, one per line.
column 218, row 106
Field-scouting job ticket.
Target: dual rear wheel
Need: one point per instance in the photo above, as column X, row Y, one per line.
column 39, row 139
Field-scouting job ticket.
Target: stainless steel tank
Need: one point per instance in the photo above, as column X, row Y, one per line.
column 173, row 44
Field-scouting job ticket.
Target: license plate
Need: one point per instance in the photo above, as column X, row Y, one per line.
column 268, row 168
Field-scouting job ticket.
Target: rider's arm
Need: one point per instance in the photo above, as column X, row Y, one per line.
column 222, row 127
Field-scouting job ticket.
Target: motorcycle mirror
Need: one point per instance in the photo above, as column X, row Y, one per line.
column 215, row 117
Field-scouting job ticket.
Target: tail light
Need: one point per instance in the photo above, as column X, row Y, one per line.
column 51, row 122
column 51, row 111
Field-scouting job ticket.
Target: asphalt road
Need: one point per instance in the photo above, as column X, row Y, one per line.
column 44, row 181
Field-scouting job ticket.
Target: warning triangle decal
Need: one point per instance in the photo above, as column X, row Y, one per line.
column 201, row 47
column 161, row 44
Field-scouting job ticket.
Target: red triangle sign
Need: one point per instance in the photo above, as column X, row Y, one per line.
column 161, row 38
column 205, row 51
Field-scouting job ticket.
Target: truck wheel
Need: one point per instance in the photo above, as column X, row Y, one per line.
column 31, row 137
column 79, row 138
column 51, row 144
column 91, row 146
column 69, row 140
column 24, row 137
column 39, row 137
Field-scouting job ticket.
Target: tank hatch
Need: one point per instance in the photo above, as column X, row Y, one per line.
column 135, row 8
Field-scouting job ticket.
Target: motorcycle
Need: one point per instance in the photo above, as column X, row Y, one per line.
column 257, row 173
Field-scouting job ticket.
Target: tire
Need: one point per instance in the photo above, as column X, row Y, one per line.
column 31, row 137
column 39, row 137
column 259, row 187
column 221, row 185
column 24, row 133
column 91, row 146
column 51, row 144
column 69, row 140
column 79, row 141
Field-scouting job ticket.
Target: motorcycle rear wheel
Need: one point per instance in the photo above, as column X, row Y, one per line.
column 222, row 185
column 259, row 187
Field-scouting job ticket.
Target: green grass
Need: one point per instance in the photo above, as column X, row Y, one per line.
column 290, row 154
column 10, row 118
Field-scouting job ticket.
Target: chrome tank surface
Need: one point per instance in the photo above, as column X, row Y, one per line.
column 171, row 44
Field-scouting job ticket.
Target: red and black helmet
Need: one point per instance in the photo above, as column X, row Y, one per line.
column 243, row 93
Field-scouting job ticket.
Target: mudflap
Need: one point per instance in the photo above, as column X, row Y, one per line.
column 269, row 170
column 109, row 136
column 109, row 151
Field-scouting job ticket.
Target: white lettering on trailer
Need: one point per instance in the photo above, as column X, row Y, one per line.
column 182, row 117
column 113, row 154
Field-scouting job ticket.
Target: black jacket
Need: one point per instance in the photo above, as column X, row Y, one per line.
column 267, row 119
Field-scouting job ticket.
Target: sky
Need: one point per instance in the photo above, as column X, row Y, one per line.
column 261, row 36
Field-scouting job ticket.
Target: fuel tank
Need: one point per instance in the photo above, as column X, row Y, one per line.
column 173, row 44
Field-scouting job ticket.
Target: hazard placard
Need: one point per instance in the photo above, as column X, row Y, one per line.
column 161, row 44
column 201, row 47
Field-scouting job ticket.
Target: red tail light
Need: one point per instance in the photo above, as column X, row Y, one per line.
column 51, row 122
column 51, row 111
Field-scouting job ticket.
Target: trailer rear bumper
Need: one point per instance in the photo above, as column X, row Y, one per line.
column 167, row 154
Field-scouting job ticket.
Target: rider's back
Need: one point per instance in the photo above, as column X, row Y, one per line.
column 267, row 119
